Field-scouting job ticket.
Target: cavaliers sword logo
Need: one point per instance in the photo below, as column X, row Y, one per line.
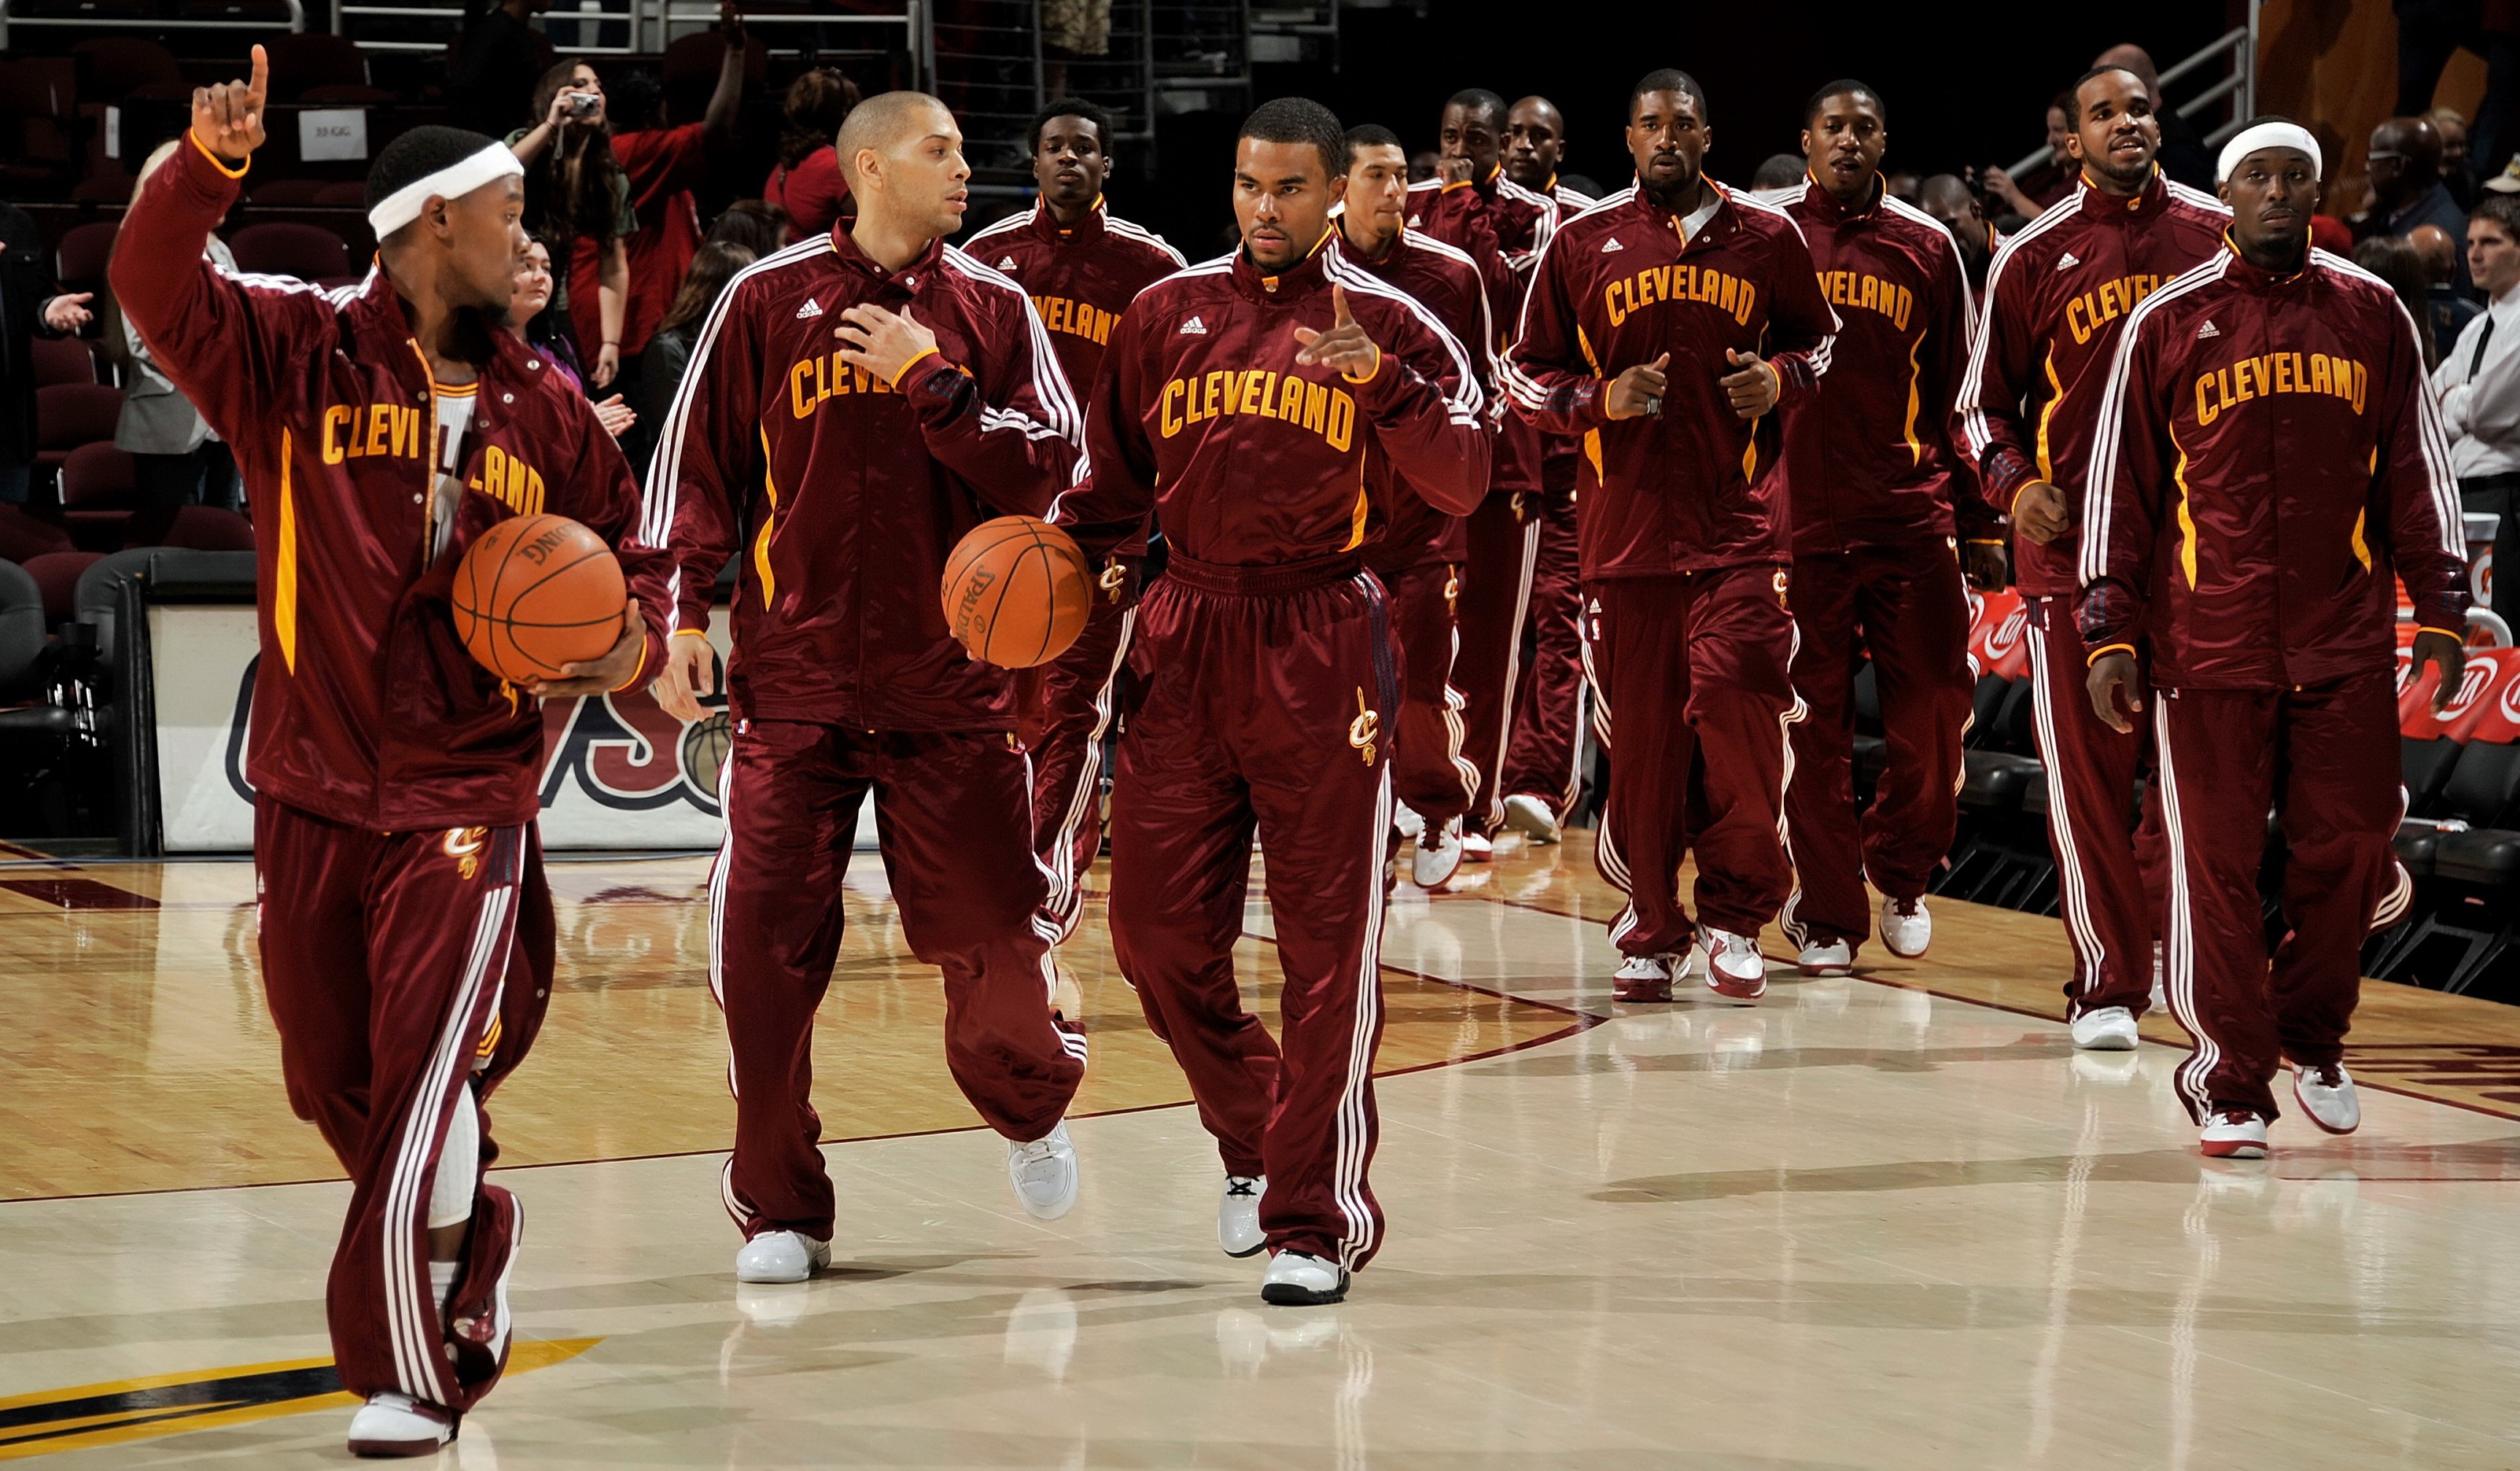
column 1780, row 588
column 1364, row 729
column 464, row 845
column 1115, row 577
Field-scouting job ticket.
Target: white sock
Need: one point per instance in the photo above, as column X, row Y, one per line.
column 441, row 1282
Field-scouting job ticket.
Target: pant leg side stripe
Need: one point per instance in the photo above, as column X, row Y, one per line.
column 2180, row 950
column 2090, row 953
column 1355, row 1140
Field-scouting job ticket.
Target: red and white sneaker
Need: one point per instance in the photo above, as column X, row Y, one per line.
column 1644, row 979
column 1907, row 927
column 399, row 1425
column 2326, row 1095
column 1477, row 848
column 1734, row 967
column 2233, row 1133
column 1835, row 957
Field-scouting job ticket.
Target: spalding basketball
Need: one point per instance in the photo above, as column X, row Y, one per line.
column 536, row 592
column 1017, row 592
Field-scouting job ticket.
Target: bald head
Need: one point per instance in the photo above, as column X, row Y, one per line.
column 2404, row 160
column 1946, row 197
column 2438, row 252
column 887, row 122
column 1534, row 142
column 2132, row 57
column 903, row 157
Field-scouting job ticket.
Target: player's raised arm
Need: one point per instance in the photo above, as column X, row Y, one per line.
column 1421, row 393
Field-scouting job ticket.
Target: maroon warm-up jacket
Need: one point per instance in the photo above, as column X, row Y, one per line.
column 1680, row 490
column 2056, row 297
column 1501, row 226
column 1251, row 460
column 366, row 708
column 855, row 489
column 1558, row 452
column 2267, row 455
column 1446, row 282
column 1869, row 458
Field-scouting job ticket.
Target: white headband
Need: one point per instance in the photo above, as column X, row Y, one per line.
column 456, row 179
column 2267, row 135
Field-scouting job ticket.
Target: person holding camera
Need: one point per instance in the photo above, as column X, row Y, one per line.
column 575, row 189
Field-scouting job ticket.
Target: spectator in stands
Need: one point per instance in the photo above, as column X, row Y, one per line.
column 32, row 306
column 808, row 182
column 531, row 324
column 2457, row 176
column 1422, row 164
column 575, row 190
column 2478, row 385
column 2447, row 312
column 2183, row 154
column 1948, row 197
column 2395, row 260
column 175, row 459
column 491, row 76
column 2029, row 196
column 1779, row 171
column 2428, row 31
column 757, row 225
column 1902, row 183
column 2405, row 189
column 711, row 269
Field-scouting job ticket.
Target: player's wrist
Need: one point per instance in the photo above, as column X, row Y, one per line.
column 234, row 171
column 2105, row 650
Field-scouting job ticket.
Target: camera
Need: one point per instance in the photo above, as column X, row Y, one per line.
column 582, row 106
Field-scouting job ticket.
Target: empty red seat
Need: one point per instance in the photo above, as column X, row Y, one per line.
column 23, row 537
column 308, row 253
column 287, row 193
column 79, row 260
column 353, row 195
column 69, row 415
column 100, row 488
column 314, row 59
column 57, row 575
column 206, row 528
column 112, row 66
column 62, row 359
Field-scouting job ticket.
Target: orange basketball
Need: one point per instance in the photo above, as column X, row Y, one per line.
column 1017, row 592
column 535, row 592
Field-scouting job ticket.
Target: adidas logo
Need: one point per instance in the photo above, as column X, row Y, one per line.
column 1193, row 328
column 811, row 309
column 2208, row 330
column 1610, row 244
column 2066, row 261
column 1006, row 263
column 1413, row 222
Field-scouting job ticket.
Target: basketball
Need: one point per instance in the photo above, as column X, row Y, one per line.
column 1017, row 592
column 536, row 592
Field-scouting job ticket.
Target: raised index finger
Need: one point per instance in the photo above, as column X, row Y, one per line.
column 260, row 86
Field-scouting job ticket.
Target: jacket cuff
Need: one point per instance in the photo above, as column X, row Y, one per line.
column 214, row 160
column 2104, row 650
column 2002, row 473
column 651, row 658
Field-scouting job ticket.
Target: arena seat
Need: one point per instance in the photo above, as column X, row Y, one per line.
column 23, row 537
column 207, row 529
column 69, row 415
column 314, row 59
column 99, row 489
column 57, row 577
column 79, row 260
column 309, row 252
column 114, row 67
column 62, row 359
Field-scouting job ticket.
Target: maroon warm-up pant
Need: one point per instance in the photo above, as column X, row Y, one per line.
column 2110, row 870
column 2324, row 758
column 1267, row 704
column 1692, row 701
column 1077, row 692
column 407, row 974
column 1496, row 598
column 1544, row 758
column 1906, row 605
column 1428, row 773
column 954, row 816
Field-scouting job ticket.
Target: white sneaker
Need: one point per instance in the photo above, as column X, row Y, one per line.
column 391, row 1424
column 1734, row 967
column 1835, row 958
column 1476, row 848
column 1439, row 856
column 1044, row 1172
column 2111, row 1029
column 1297, row 1280
column 2327, row 1094
column 781, row 1256
column 1237, row 1215
column 1407, row 820
column 1907, row 927
column 2233, row 1134
column 1642, row 978
column 1530, row 816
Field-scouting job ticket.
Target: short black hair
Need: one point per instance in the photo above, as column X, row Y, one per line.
column 1478, row 100
column 418, row 154
column 2074, row 93
column 1372, row 135
column 1844, row 84
column 1300, row 120
column 1778, row 170
column 2502, row 208
column 1667, row 79
column 1070, row 107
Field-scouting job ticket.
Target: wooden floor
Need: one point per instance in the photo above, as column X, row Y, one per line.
column 1892, row 1220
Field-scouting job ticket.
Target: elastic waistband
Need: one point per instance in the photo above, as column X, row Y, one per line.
column 1276, row 580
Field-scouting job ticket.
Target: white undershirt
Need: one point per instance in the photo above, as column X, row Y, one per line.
column 1696, row 219
column 454, row 418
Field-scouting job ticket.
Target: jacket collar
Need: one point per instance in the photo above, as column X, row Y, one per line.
column 907, row 281
column 380, row 310
column 2255, row 278
column 1293, row 284
column 1819, row 201
column 1349, row 249
column 1720, row 225
column 1085, row 231
column 2143, row 203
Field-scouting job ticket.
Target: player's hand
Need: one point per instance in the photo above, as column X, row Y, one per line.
column 2444, row 654
column 689, row 673
column 228, row 117
column 2040, row 514
column 1451, row 171
column 1638, row 389
column 1345, row 346
column 1755, row 387
column 1987, row 566
column 67, row 312
column 615, row 416
column 600, row 677
column 883, row 342
column 2111, row 673
column 608, row 366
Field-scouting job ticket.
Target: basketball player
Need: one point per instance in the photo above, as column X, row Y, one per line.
column 1643, row 333
column 2056, row 297
column 862, row 399
column 1256, row 401
column 1471, row 205
column 1082, row 266
column 1419, row 556
column 2268, row 464
column 1873, row 484
column 1543, row 775
column 383, row 427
